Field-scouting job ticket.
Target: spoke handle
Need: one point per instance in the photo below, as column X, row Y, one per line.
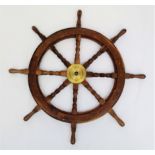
column 114, row 115
column 38, row 32
column 35, row 110
column 21, row 71
column 73, row 130
column 79, row 13
column 122, row 32
column 139, row 76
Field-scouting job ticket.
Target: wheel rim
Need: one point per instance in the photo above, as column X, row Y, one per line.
column 83, row 116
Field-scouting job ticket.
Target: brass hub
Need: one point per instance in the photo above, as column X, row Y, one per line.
column 76, row 73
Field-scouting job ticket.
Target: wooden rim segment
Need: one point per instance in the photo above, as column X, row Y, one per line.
column 83, row 116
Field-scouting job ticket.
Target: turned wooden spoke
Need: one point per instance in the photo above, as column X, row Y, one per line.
column 93, row 92
column 75, row 86
column 52, row 47
column 77, row 54
column 103, row 49
column 114, row 75
column 78, row 39
column 115, row 116
column 94, row 57
column 58, row 73
column 39, row 72
column 75, row 93
column 61, row 87
column 108, row 75
column 74, row 111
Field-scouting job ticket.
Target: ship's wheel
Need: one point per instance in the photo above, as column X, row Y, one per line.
column 76, row 74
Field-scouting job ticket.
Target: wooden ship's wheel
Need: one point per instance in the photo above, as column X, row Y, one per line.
column 76, row 74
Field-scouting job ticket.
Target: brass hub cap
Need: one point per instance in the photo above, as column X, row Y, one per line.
column 76, row 73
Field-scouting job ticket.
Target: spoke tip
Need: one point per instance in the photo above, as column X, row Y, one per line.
column 123, row 31
column 25, row 119
column 121, row 123
column 143, row 76
column 73, row 140
column 34, row 28
column 12, row 70
column 79, row 13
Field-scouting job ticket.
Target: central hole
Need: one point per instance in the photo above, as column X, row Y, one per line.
column 76, row 73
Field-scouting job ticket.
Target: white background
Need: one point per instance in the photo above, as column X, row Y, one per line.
column 42, row 132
